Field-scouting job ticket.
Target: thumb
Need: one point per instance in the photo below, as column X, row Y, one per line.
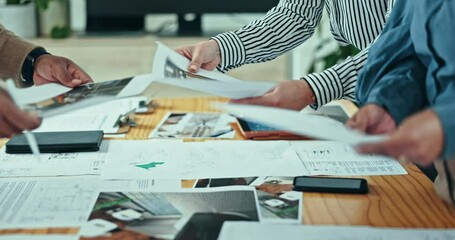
column 196, row 61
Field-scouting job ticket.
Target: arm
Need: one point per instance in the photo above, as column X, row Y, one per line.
column 13, row 51
column 393, row 77
column 340, row 80
column 20, row 59
column 441, row 70
column 284, row 27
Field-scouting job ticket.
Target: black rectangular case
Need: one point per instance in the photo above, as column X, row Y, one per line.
column 58, row 142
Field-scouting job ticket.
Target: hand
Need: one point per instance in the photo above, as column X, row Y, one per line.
column 372, row 119
column 420, row 139
column 204, row 55
column 49, row 68
column 13, row 120
column 290, row 94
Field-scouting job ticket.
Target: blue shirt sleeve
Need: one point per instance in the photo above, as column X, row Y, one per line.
column 393, row 76
column 438, row 52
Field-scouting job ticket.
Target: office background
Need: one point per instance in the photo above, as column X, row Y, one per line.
column 112, row 39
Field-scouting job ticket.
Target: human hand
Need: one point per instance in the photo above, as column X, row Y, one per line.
column 290, row 94
column 54, row 69
column 372, row 119
column 12, row 119
column 419, row 139
column 205, row 55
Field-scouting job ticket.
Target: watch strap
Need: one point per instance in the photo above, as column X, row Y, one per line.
column 28, row 67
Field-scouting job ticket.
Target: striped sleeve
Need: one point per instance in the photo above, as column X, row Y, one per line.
column 283, row 28
column 338, row 81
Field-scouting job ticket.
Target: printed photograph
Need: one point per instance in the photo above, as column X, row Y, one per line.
column 82, row 93
column 276, row 199
column 170, row 215
column 194, row 125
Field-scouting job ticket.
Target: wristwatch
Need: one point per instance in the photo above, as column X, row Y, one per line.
column 28, row 67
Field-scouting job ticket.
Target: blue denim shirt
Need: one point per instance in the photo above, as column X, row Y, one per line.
column 411, row 66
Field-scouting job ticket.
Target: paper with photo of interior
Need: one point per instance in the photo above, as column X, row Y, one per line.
column 53, row 99
column 169, row 67
column 194, row 125
column 277, row 202
column 181, row 214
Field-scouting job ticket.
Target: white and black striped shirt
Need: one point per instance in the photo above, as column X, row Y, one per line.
column 292, row 22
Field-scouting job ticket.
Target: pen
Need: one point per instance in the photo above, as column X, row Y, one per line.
column 28, row 135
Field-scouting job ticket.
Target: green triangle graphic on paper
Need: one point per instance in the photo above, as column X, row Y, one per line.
column 147, row 166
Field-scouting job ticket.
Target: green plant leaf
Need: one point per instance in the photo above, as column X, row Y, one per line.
column 59, row 32
column 13, row 2
column 42, row 4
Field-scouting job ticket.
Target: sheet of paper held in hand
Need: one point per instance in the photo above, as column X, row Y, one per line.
column 250, row 230
column 53, row 99
column 224, row 159
column 103, row 116
column 171, row 68
column 310, row 125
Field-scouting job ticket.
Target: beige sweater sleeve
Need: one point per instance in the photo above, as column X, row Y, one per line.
column 13, row 51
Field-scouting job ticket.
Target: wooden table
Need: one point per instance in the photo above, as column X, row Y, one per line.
column 393, row 201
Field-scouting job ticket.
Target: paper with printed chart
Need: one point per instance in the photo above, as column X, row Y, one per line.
column 334, row 158
column 62, row 201
column 309, row 125
column 210, row 159
column 46, row 202
column 53, row 164
column 171, row 68
column 251, row 230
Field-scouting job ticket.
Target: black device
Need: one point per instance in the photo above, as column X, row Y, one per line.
column 57, row 142
column 331, row 185
column 121, row 15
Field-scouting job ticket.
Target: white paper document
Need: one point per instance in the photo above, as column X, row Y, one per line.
column 103, row 117
column 217, row 159
column 334, row 158
column 38, row 237
column 251, row 230
column 309, row 125
column 46, row 202
column 53, row 99
column 171, row 68
column 53, row 164
column 139, row 185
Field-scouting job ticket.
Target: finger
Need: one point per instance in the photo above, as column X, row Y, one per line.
column 78, row 74
column 186, row 52
column 196, row 60
column 361, row 122
column 18, row 119
column 350, row 123
column 253, row 101
column 373, row 148
column 63, row 75
column 392, row 147
column 6, row 130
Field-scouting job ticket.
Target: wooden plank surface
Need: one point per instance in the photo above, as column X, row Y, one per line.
column 393, row 201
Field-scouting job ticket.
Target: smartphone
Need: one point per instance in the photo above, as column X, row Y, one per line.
column 256, row 131
column 331, row 185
